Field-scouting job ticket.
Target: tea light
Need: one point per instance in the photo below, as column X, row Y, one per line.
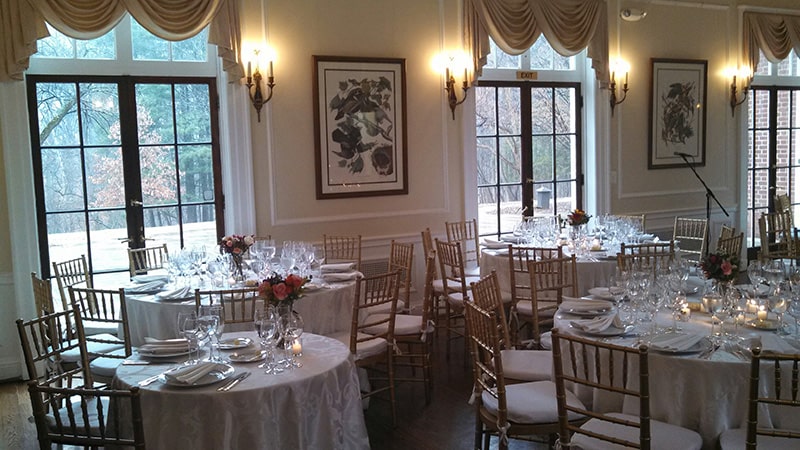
column 761, row 315
column 686, row 314
column 740, row 318
column 297, row 348
column 752, row 306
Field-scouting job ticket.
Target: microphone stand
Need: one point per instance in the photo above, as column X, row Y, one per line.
column 709, row 196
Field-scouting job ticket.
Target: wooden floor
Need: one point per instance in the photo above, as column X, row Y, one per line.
column 447, row 423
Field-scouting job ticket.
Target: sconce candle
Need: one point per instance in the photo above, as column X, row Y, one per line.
column 253, row 83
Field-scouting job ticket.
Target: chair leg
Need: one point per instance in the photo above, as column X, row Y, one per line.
column 448, row 326
column 390, row 364
column 478, row 430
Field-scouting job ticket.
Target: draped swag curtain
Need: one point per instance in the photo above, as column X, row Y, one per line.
column 22, row 23
column 515, row 25
column 774, row 34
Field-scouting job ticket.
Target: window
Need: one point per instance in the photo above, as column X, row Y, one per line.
column 124, row 161
column 773, row 136
column 528, row 139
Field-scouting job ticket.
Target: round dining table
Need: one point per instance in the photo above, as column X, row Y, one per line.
column 326, row 309
column 315, row 406
column 704, row 390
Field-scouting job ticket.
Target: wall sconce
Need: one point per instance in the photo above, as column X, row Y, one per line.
column 613, row 86
column 734, row 100
column 254, row 85
column 450, row 87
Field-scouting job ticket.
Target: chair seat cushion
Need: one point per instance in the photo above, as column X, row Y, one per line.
column 533, row 402
column 528, row 365
column 472, row 271
column 438, row 286
column 364, row 349
column 385, row 308
column 91, row 327
column 525, row 308
column 404, row 324
column 94, row 426
column 74, row 355
column 104, row 368
column 664, row 436
column 735, row 440
column 457, row 299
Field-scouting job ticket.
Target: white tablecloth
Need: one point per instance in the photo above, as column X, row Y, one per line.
column 325, row 311
column 591, row 272
column 705, row 395
column 317, row 406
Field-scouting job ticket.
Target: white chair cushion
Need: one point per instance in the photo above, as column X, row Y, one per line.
column 457, row 299
column 528, row 365
column 364, row 349
column 438, row 286
column 533, row 402
column 106, row 368
column 404, row 324
column 91, row 328
column 385, row 308
column 664, row 436
column 94, row 426
column 525, row 308
column 472, row 271
column 735, row 440
column 74, row 355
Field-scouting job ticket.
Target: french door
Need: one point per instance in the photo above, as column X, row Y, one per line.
column 528, row 151
column 773, row 163
column 123, row 162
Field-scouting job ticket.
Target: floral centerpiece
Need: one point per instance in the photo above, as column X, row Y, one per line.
column 577, row 217
column 720, row 267
column 279, row 291
column 236, row 245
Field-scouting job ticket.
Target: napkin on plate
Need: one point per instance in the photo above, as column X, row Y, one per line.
column 598, row 324
column 176, row 294
column 584, row 304
column 606, row 293
column 163, row 346
column 335, row 277
column 493, row 244
column 139, row 279
column 334, row 268
column 190, row 374
column 676, row 342
column 145, row 288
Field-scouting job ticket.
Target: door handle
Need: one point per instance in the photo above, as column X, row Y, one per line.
column 124, row 240
column 136, row 203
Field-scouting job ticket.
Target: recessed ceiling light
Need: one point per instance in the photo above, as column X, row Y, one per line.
column 632, row 14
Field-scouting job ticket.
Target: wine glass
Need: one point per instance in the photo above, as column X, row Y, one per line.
column 211, row 319
column 267, row 326
column 293, row 330
column 713, row 303
column 774, row 273
column 778, row 304
column 188, row 327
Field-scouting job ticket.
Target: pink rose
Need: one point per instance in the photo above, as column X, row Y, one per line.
column 726, row 267
column 294, row 281
column 281, row 291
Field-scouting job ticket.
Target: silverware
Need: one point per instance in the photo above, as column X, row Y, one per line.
column 150, row 380
column 234, row 382
column 133, row 362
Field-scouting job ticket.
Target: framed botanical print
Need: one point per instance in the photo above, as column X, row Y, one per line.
column 360, row 126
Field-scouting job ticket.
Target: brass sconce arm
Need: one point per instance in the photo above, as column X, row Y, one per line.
column 734, row 96
column 613, row 94
column 452, row 99
column 255, row 91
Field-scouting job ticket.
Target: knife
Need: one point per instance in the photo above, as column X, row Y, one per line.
column 234, row 382
column 150, row 380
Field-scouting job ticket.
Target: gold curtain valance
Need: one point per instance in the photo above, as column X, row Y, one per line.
column 774, row 34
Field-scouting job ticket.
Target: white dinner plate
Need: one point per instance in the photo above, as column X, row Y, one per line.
column 602, row 292
column 234, row 343
column 248, row 356
column 148, row 354
column 702, row 345
column 221, row 372
column 587, row 312
column 608, row 332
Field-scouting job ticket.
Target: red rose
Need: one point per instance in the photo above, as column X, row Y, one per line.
column 281, row 291
column 726, row 267
column 294, row 281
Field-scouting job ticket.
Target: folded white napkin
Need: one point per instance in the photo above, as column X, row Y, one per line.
column 584, row 304
column 675, row 342
column 163, row 346
column 491, row 243
column 606, row 293
column 334, row 277
column 139, row 279
column 190, row 374
column 143, row 288
column 176, row 294
column 338, row 267
column 598, row 324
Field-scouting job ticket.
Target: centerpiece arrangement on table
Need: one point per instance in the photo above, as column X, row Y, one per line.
column 576, row 219
column 722, row 269
column 280, row 291
column 236, row 245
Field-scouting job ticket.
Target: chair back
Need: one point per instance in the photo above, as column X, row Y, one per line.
column 691, row 235
column 781, row 376
column 726, row 231
column 649, row 256
column 238, row 304
column 586, row 364
column 44, row 340
column 341, row 249
column 87, row 417
column 731, row 245
column 429, row 294
column 550, row 280
column 486, row 294
column 42, row 295
column 428, row 247
column 104, row 308
column 487, row 362
column 784, row 204
column 143, row 260
column 519, row 278
column 451, row 268
column 401, row 258
column 71, row 273
column 466, row 232
column 777, row 235
column 374, row 293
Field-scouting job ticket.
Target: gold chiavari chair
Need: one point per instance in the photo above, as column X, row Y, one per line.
column 692, row 237
column 42, row 295
column 340, row 249
column 550, row 280
column 143, row 260
column 456, row 293
column 71, row 273
column 401, row 258
column 466, row 232
column 521, row 308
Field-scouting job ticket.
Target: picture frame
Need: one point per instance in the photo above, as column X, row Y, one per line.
column 360, row 136
column 677, row 113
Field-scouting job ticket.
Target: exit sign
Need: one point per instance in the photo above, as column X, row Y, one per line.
column 527, row 75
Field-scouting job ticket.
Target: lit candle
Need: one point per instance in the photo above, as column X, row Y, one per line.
column 270, row 69
column 447, row 74
column 740, row 318
column 465, row 77
column 249, row 69
column 626, row 78
column 612, row 76
column 762, row 314
column 297, row 348
column 752, row 307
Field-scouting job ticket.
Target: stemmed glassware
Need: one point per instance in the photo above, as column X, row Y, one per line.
column 212, row 316
column 189, row 327
column 267, row 326
column 774, row 271
column 294, row 329
column 206, row 324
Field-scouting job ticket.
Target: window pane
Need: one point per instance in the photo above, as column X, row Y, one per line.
column 761, row 188
column 543, row 57
column 761, row 156
column 66, row 236
column 542, row 110
column 782, row 121
column 542, row 158
column 147, row 46
column 510, row 159
column 154, row 114
column 199, row 226
column 510, row 207
column 105, row 187
column 159, row 185
column 56, row 45
column 162, row 222
column 192, row 113
column 197, row 173
column 781, row 180
column 485, row 111
column 192, row 49
column 487, row 210
column 782, row 148
column 100, row 114
column 62, row 178
column 565, row 197
column 58, row 123
column 107, row 228
column 565, row 151
column 103, row 47
column 498, row 59
column 487, row 161
column 508, row 106
column 564, row 111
